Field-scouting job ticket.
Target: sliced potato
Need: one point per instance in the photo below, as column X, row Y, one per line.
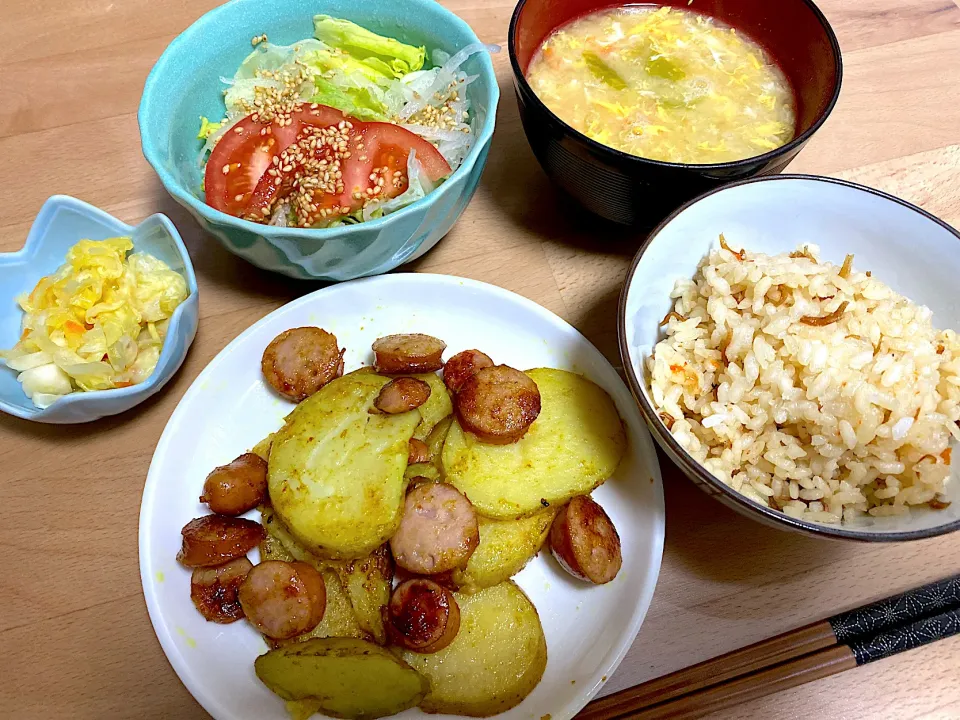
column 344, row 677
column 302, row 709
column 262, row 448
column 505, row 547
column 435, row 441
column 366, row 582
column 339, row 619
column 437, row 407
column 336, row 469
column 289, row 544
column 574, row 445
column 496, row 660
column 427, row 470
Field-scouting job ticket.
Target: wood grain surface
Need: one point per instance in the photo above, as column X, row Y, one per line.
column 75, row 638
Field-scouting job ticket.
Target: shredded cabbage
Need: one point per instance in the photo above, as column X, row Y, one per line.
column 97, row 323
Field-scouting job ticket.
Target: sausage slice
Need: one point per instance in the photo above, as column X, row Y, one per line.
column 214, row 540
column 585, row 542
column 283, row 599
column 401, row 395
column 408, row 354
column 462, row 366
column 214, row 590
column 498, row 404
column 418, row 452
column 300, row 361
column 237, row 487
column 438, row 531
column 422, row 616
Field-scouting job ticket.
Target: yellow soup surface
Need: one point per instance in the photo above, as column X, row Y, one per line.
column 665, row 84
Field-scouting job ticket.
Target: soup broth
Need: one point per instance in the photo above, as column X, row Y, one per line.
column 665, row 84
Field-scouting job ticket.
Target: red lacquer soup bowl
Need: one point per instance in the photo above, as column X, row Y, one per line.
column 636, row 191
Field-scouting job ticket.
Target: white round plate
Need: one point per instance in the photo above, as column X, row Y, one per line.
column 229, row 408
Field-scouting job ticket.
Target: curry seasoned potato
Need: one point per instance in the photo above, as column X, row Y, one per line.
column 574, row 445
column 426, row 470
column 366, row 582
column 506, row 546
column 336, row 470
column 342, row 677
column 262, row 448
column 437, row 407
column 496, row 660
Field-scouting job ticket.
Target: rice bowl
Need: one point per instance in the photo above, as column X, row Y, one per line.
column 811, row 388
column 908, row 249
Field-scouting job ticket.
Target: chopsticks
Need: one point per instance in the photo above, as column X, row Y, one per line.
column 815, row 651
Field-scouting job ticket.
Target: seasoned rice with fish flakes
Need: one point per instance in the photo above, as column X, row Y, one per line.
column 808, row 387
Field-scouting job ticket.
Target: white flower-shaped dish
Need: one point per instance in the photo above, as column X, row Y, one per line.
column 61, row 223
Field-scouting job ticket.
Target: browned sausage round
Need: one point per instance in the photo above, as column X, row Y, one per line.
column 418, row 452
column 422, row 616
column 235, row 488
column 215, row 539
column 462, row 366
column 584, row 540
column 407, row 354
column 300, row 361
column 283, row 599
column 402, row 394
column 214, row 590
column 498, row 404
column 438, row 531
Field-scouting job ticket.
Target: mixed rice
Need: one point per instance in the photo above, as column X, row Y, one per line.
column 811, row 388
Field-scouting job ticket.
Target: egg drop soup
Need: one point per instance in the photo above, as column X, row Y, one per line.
column 665, row 84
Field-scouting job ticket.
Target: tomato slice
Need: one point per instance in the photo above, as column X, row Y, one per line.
column 335, row 165
column 325, row 167
column 389, row 146
column 238, row 161
column 242, row 156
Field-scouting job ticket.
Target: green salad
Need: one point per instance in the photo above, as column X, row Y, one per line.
column 342, row 127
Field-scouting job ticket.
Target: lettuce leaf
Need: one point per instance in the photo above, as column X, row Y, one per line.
column 356, row 102
column 378, row 52
column 207, row 128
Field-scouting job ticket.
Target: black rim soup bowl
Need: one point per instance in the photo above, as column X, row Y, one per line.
column 632, row 190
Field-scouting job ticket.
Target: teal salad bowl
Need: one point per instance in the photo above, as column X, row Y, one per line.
column 62, row 222
column 185, row 84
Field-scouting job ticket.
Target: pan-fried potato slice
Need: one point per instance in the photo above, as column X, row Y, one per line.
column 336, row 469
column 574, row 445
column 436, row 408
column 427, row 470
column 506, row 546
column 496, row 660
column 262, row 448
column 366, row 582
column 339, row 619
column 344, row 677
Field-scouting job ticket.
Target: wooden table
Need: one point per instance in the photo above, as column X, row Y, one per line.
column 75, row 640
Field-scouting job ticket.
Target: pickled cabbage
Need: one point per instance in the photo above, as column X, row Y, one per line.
column 97, row 323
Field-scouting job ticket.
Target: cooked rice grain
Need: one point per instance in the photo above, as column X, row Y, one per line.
column 822, row 417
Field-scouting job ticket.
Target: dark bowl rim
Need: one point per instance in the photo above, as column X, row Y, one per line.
column 687, row 463
column 793, row 146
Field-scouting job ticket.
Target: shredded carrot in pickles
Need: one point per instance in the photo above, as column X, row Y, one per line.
column 666, row 84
